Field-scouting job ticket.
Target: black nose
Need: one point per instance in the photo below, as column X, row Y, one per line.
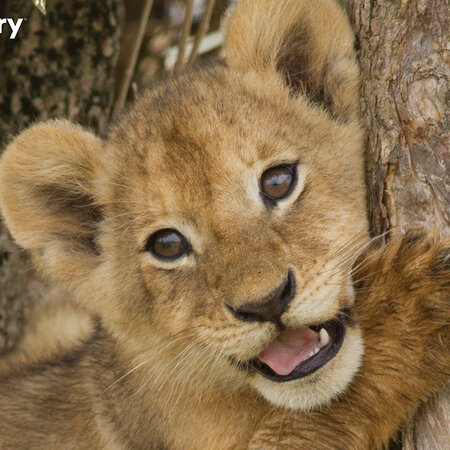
column 270, row 308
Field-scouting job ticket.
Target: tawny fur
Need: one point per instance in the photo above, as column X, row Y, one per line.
column 155, row 368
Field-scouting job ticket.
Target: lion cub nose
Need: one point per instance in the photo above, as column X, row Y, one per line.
column 269, row 308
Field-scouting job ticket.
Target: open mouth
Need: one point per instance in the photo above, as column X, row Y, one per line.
column 299, row 352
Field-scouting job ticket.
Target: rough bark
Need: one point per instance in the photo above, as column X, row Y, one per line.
column 404, row 94
column 59, row 65
column 404, row 62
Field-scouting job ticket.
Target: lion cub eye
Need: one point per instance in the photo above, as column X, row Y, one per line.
column 167, row 244
column 278, row 182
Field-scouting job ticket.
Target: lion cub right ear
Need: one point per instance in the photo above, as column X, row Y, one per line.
column 47, row 196
column 308, row 44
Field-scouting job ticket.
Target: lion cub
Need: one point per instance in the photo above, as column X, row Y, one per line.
column 213, row 235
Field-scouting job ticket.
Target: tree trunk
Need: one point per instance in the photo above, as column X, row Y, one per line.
column 403, row 58
column 59, row 65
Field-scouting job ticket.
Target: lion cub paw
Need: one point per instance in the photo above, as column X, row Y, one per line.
column 422, row 265
column 404, row 297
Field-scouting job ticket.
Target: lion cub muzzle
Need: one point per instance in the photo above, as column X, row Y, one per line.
column 296, row 352
column 271, row 307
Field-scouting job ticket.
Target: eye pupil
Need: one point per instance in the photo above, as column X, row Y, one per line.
column 277, row 183
column 167, row 244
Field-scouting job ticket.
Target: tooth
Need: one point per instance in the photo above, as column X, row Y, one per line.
column 324, row 337
column 313, row 352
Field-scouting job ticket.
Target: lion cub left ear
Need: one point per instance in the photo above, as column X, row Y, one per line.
column 47, row 196
column 309, row 44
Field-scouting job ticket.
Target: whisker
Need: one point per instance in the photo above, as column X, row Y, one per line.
column 343, row 247
column 178, row 384
column 180, row 361
column 368, row 276
column 172, row 341
column 147, row 360
column 369, row 243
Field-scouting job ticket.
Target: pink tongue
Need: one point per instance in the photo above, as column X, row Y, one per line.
column 289, row 349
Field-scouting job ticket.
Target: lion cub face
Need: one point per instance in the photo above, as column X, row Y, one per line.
column 221, row 215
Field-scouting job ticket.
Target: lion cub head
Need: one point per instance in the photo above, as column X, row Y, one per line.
column 220, row 214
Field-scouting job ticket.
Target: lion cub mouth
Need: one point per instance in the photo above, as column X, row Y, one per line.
column 298, row 352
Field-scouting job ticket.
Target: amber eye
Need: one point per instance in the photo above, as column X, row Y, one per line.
column 278, row 182
column 167, row 244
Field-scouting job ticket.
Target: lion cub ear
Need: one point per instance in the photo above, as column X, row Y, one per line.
column 309, row 44
column 47, row 179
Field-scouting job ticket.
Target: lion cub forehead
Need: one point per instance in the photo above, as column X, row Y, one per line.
column 182, row 176
column 197, row 140
column 199, row 107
